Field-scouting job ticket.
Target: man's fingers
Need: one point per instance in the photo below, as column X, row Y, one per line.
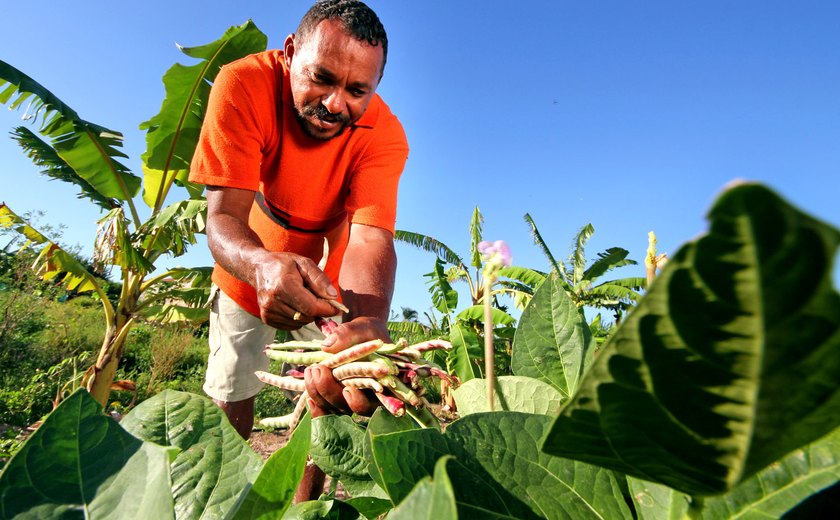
column 356, row 331
column 316, row 280
column 360, row 401
column 325, row 390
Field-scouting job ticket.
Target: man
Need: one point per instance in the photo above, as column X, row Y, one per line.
column 296, row 148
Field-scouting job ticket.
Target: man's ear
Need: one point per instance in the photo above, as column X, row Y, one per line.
column 289, row 50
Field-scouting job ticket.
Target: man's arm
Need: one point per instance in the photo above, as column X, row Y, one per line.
column 367, row 285
column 286, row 283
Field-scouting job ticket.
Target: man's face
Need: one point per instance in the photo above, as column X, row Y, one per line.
column 333, row 78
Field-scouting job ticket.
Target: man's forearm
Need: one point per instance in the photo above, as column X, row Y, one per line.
column 234, row 246
column 367, row 277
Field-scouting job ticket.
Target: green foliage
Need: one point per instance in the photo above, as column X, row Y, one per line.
column 213, row 465
column 512, row 393
column 553, row 342
column 274, row 488
column 87, row 155
column 729, row 363
column 82, row 460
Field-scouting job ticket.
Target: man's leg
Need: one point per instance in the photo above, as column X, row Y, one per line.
column 237, row 339
column 240, row 414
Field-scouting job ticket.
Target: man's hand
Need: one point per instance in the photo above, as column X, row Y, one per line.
column 327, row 395
column 292, row 290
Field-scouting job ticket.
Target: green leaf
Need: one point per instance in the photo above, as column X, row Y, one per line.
column 90, row 150
column 324, row 508
column 498, row 470
column 553, row 342
column 80, row 462
column 444, row 297
column 431, row 498
column 52, row 261
column 466, row 349
column 476, row 237
column 273, row 491
column 512, row 393
column 770, row 493
column 578, row 258
column 525, row 275
column 727, row 364
column 215, row 464
column 538, row 240
column 607, row 261
column 782, row 485
column 53, row 166
column 476, row 313
column 429, row 244
column 338, row 446
column 173, row 133
column 658, row 502
column 370, row 507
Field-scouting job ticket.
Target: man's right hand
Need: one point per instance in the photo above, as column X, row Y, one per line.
column 288, row 284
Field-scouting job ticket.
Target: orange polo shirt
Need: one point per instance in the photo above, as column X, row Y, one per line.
column 306, row 189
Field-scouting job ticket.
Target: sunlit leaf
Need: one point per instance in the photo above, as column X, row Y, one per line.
column 214, row 467
column 90, row 150
column 82, row 463
column 273, row 491
column 553, row 342
column 173, row 133
column 512, row 393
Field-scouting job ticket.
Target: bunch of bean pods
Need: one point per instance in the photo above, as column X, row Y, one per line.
column 392, row 371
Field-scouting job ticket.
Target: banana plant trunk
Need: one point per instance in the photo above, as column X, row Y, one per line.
column 100, row 376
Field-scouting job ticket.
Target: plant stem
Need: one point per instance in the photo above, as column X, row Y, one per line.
column 488, row 344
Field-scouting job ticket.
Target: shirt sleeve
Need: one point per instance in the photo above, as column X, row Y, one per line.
column 228, row 153
column 374, row 184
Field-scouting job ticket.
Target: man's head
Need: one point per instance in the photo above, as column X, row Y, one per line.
column 335, row 59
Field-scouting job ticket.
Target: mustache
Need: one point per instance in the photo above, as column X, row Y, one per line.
column 320, row 111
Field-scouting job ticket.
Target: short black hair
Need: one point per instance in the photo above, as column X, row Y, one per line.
column 358, row 19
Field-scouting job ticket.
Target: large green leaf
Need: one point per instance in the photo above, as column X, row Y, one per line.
column 215, row 465
column 729, row 362
column 88, row 149
column 770, row 493
column 782, row 485
column 338, row 446
column 553, row 342
column 53, row 166
column 498, row 470
column 512, row 393
column 173, row 133
column 81, row 464
column 433, row 499
column 466, row 350
column 273, row 491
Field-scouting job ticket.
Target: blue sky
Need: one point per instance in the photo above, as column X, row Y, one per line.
column 631, row 116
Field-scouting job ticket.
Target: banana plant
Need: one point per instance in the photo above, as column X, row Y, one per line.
column 67, row 147
column 582, row 283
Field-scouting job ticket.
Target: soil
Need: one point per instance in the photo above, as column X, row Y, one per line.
column 265, row 443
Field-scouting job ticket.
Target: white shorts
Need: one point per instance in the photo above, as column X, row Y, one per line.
column 237, row 339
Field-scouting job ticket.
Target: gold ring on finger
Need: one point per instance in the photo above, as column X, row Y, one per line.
column 297, row 316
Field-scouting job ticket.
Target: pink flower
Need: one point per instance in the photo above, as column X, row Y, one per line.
column 497, row 253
